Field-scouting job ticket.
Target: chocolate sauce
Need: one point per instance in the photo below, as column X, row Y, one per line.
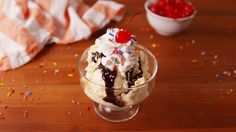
column 132, row 78
column 96, row 56
column 109, row 77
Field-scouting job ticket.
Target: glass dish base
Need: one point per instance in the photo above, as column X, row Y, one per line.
column 116, row 115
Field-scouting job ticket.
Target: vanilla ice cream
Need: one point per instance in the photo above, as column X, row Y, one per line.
column 115, row 68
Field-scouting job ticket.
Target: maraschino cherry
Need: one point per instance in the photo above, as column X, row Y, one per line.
column 173, row 8
column 122, row 36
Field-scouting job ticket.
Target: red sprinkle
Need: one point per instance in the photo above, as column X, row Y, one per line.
column 115, row 68
column 89, row 108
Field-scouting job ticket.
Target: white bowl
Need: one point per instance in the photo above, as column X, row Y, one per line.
column 166, row 26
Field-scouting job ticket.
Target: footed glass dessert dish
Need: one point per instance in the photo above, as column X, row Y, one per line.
column 117, row 74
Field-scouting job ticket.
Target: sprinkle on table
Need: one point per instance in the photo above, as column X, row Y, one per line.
column 45, row 71
column 1, row 116
column 203, row 53
column 214, row 62
column 194, row 60
column 76, row 55
column 28, row 93
column 10, row 92
column 154, row 45
column 151, row 36
column 73, row 101
column 234, row 71
column 42, row 64
column 26, row 113
column 54, row 64
column 215, row 56
column 70, row 75
column 1, row 84
column 56, row 71
column 5, row 106
column 225, row 72
column 89, row 108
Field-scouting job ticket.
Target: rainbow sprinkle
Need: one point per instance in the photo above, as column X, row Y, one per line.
column 10, row 92
column 194, row 60
column 54, row 64
column 45, row 71
column 154, row 45
column 28, row 93
column 70, row 75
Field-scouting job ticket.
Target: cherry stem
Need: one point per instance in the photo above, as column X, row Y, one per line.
column 132, row 17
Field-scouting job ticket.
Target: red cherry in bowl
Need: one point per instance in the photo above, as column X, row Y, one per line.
column 173, row 8
column 122, row 36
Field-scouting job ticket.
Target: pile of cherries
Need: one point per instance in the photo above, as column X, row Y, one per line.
column 173, row 8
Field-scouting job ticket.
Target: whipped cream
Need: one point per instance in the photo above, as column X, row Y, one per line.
column 121, row 56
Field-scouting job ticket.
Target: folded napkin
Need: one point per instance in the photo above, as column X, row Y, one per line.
column 27, row 25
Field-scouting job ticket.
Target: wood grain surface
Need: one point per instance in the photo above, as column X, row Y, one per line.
column 195, row 91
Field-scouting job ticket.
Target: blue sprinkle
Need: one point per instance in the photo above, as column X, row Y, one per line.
column 111, row 34
column 133, row 38
column 120, row 52
column 28, row 93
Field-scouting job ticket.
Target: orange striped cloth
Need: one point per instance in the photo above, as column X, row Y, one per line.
column 27, row 25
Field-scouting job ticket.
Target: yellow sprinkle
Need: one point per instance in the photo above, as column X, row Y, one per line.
column 54, row 63
column 45, row 71
column 10, row 93
column 154, row 45
column 70, row 75
column 151, row 36
column 194, row 61
column 1, row 84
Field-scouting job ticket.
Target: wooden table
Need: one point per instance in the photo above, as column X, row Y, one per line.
column 195, row 91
